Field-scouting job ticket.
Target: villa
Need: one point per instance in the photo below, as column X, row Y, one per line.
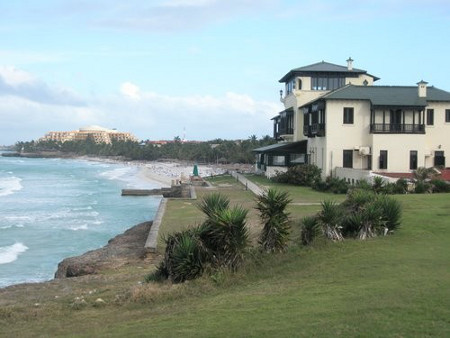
column 336, row 118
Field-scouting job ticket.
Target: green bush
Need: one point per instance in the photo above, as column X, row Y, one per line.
column 185, row 257
column 333, row 184
column 401, row 186
column 310, row 230
column 272, row 210
column 439, row 186
column 422, row 187
column 303, row 175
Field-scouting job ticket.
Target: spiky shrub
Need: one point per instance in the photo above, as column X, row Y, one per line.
column 378, row 184
column 357, row 199
column 213, row 203
column 391, row 212
column 159, row 275
column 185, row 256
column 272, row 211
column 401, row 186
column 310, row 230
column 225, row 236
column 330, row 218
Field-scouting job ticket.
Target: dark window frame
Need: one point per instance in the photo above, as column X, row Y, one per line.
column 413, row 159
column 447, row 115
column 383, row 160
column 348, row 115
column 347, row 158
column 430, row 117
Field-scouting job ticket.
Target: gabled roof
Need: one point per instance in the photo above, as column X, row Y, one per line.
column 324, row 67
column 388, row 95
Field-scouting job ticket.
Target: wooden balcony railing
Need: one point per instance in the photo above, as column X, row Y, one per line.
column 397, row 128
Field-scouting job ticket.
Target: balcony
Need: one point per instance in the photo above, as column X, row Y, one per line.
column 397, row 128
column 316, row 129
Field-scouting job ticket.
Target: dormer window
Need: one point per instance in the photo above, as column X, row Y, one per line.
column 326, row 83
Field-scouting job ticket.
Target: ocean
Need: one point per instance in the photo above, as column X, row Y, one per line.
column 51, row 209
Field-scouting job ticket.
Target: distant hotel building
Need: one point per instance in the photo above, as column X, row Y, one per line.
column 95, row 133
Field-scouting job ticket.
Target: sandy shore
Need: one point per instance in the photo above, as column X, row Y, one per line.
column 164, row 173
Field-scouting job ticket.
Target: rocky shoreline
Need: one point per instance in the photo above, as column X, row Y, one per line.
column 121, row 250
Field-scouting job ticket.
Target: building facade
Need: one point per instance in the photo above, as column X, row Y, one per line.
column 96, row 133
column 337, row 119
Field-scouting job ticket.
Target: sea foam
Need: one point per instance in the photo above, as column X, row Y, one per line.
column 9, row 254
column 9, row 185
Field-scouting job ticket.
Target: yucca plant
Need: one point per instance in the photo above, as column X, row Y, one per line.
column 310, row 230
column 357, row 199
column 272, row 209
column 212, row 203
column 330, row 218
column 378, row 184
column 225, row 236
column 185, row 256
column 371, row 221
column 391, row 212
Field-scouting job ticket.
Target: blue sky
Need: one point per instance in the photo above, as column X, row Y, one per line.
column 201, row 68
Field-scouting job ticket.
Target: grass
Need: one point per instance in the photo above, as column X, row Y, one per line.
column 395, row 286
column 298, row 194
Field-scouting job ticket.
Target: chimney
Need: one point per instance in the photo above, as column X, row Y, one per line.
column 422, row 88
column 350, row 63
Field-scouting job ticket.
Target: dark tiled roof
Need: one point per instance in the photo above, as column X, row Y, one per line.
column 388, row 95
column 323, row 67
column 283, row 148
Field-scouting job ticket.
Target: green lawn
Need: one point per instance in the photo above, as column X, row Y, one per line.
column 395, row 286
column 297, row 193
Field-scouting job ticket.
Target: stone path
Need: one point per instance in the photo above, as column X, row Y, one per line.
column 257, row 190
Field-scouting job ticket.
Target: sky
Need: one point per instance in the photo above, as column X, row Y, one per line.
column 197, row 69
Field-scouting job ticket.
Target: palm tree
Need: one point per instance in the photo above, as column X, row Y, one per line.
column 272, row 208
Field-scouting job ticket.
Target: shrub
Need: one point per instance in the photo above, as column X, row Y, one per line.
column 422, row 187
column 363, row 185
column 391, row 212
column 310, row 230
column 333, row 184
column 378, row 184
column 225, row 236
column 330, row 218
column 185, row 256
column 401, row 186
column 272, row 209
column 438, row 186
column 304, row 175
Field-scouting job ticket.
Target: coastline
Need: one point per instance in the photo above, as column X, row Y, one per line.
column 154, row 172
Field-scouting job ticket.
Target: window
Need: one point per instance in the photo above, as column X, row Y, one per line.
column 413, row 160
column 327, row 83
column 430, row 117
column 447, row 115
column 278, row 160
column 348, row 115
column 439, row 158
column 348, row 159
column 383, row 159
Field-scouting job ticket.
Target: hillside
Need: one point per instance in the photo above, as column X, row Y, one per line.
column 391, row 286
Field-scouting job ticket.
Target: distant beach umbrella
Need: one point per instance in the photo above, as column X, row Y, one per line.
column 195, row 172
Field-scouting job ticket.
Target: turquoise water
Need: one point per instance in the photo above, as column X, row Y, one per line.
column 51, row 209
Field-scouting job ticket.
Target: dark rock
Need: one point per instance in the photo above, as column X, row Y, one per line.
column 119, row 251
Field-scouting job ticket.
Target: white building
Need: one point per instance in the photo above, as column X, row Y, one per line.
column 95, row 133
column 337, row 119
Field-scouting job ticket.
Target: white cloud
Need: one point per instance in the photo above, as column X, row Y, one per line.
column 147, row 114
column 19, row 83
column 130, row 90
